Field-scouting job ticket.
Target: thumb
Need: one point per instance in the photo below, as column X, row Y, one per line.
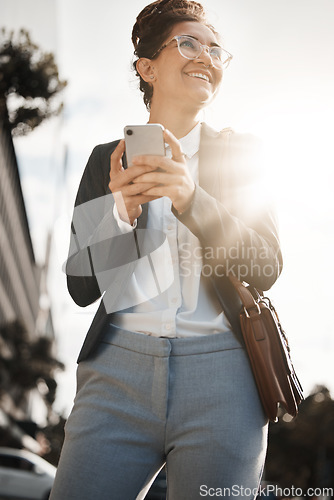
column 116, row 158
column 174, row 144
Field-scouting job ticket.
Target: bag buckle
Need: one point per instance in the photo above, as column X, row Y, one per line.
column 248, row 313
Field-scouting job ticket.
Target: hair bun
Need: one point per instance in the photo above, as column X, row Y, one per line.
column 151, row 17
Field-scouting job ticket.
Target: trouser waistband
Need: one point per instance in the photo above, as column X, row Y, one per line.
column 162, row 346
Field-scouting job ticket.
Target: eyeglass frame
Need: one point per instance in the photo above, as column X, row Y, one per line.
column 224, row 64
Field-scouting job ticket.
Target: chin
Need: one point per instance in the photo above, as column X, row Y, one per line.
column 203, row 98
column 197, row 100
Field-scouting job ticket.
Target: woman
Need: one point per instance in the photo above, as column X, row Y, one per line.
column 162, row 376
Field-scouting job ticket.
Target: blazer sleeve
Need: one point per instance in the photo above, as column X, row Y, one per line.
column 93, row 228
column 104, row 253
column 237, row 227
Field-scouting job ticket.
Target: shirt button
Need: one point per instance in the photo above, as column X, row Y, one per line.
column 168, row 326
column 169, row 227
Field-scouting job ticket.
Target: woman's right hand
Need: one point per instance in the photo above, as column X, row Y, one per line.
column 128, row 196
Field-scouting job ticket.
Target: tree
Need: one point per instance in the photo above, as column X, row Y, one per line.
column 25, row 364
column 29, row 83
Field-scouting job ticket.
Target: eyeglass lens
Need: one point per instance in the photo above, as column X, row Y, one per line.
column 190, row 48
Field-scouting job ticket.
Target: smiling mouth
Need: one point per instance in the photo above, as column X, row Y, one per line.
column 201, row 76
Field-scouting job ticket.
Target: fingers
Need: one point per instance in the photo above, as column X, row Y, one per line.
column 158, row 163
column 116, row 165
column 137, row 188
column 124, row 178
column 145, row 198
column 150, row 177
column 175, row 145
column 157, row 178
column 147, row 161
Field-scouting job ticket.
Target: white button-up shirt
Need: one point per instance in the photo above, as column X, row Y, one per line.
column 187, row 307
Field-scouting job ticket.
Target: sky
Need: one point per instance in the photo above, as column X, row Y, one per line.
column 278, row 86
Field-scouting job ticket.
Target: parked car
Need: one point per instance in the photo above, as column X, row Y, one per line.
column 24, row 475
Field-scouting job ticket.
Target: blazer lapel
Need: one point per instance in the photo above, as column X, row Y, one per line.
column 213, row 151
column 142, row 219
column 215, row 177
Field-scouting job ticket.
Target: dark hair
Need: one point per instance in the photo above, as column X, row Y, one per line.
column 153, row 25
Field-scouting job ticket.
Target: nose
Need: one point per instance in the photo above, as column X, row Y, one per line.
column 205, row 56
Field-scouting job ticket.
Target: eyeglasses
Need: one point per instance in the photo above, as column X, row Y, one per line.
column 191, row 48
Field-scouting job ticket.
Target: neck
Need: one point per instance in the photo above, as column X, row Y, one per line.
column 178, row 121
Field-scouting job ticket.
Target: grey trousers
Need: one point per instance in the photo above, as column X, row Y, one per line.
column 142, row 401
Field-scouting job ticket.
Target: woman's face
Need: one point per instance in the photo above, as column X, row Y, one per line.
column 184, row 81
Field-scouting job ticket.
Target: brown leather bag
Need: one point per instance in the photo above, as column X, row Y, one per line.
column 269, row 353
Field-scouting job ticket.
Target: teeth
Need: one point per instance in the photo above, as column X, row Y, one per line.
column 200, row 75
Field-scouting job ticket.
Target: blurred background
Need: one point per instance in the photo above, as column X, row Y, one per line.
column 66, row 84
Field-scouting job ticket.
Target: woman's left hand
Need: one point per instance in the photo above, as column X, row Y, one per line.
column 173, row 178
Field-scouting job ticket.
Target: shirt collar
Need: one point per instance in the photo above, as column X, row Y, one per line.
column 190, row 142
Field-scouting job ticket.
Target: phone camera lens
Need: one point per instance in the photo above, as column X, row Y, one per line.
column 129, row 132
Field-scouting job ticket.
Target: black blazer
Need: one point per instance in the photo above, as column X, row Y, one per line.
column 228, row 214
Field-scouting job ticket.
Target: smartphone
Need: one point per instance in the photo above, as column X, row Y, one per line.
column 144, row 140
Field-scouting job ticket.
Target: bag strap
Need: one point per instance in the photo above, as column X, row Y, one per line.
column 247, row 299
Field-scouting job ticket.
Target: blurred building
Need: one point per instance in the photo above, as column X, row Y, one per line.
column 19, row 275
column 25, row 314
